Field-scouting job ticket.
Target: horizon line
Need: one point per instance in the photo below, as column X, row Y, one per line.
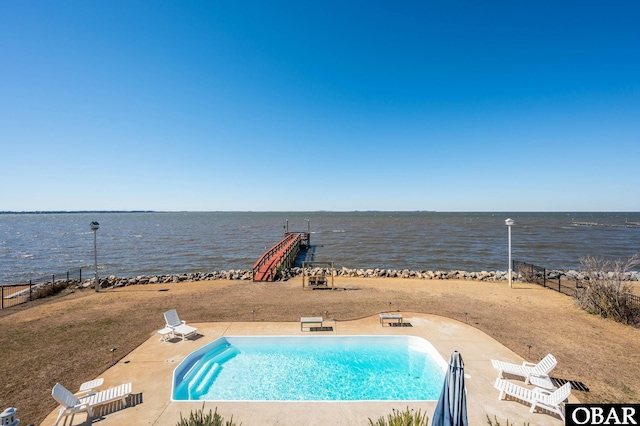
column 305, row 211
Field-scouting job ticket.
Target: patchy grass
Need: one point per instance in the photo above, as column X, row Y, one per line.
column 68, row 338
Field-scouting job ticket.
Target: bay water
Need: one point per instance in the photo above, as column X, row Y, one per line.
column 162, row 243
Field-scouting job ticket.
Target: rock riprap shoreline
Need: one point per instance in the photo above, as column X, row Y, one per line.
column 246, row 275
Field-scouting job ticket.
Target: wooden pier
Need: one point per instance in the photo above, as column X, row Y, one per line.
column 627, row 224
column 280, row 256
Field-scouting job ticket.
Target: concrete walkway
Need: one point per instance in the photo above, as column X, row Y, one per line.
column 150, row 368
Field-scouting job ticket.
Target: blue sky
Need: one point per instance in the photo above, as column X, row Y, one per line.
column 320, row 105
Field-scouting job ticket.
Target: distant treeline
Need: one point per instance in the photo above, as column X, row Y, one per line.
column 78, row 211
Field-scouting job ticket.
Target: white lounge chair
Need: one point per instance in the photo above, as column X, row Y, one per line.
column 71, row 404
column 527, row 369
column 551, row 401
column 178, row 326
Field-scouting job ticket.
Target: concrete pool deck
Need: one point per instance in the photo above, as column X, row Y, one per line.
column 150, row 367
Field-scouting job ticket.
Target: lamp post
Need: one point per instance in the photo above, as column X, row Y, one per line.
column 94, row 227
column 509, row 223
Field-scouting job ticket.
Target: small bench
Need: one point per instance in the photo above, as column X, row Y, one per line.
column 308, row 321
column 390, row 317
column 165, row 334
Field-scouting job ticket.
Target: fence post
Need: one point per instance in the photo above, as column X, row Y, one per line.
column 80, row 280
column 559, row 281
column 2, row 303
column 544, row 280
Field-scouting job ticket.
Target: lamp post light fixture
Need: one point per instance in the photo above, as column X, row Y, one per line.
column 509, row 223
column 94, row 227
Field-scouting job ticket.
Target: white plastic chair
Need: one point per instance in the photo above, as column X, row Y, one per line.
column 71, row 404
column 526, row 369
column 178, row 326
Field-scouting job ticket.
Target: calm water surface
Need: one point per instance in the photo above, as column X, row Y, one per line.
column 132, row 244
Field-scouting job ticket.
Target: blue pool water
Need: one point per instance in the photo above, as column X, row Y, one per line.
column 315, row 368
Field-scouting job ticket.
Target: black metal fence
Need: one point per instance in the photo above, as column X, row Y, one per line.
column 16, row 294
column 554, row 280
column 634, row 298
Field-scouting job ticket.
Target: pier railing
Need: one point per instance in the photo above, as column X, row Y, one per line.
column 281, row 255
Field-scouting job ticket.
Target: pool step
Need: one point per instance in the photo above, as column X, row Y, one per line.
column 208, row 378
column 198, row 365
column 196, row 380
column 216, row 351
column 201, row 377
column 227, row 354
column 214, row 355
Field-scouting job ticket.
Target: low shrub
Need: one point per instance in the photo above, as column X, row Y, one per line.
column 606, row 292
column 409, row 417
column 200, row 419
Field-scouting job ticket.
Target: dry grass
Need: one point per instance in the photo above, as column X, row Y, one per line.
column 68, row 338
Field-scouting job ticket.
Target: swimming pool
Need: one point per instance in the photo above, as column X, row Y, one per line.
column 311, row 368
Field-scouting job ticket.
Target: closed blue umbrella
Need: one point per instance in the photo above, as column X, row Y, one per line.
column 452, row 405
